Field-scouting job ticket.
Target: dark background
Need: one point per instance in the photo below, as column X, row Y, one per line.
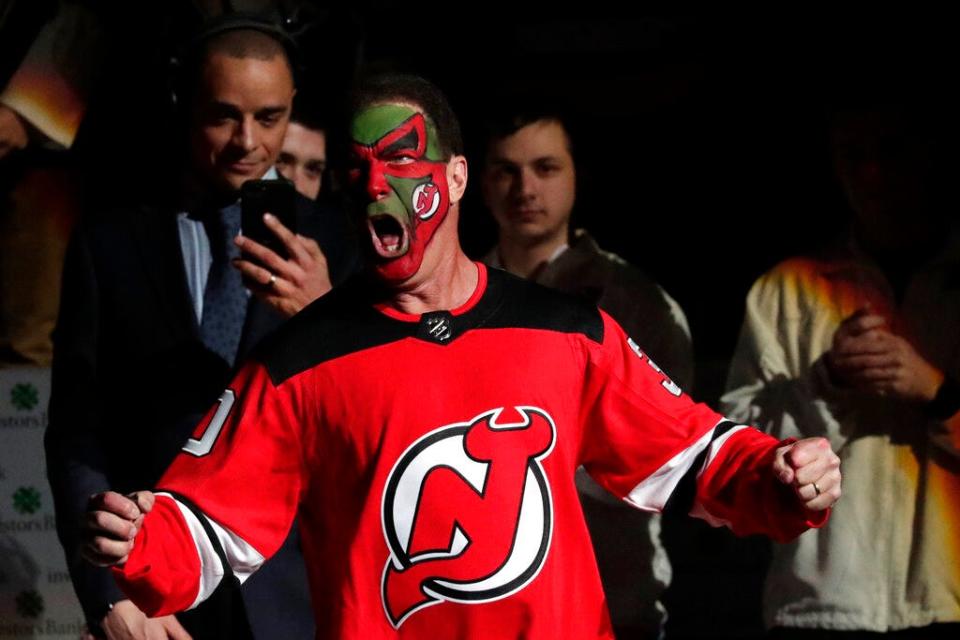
column 701, row 151
column 701, row 140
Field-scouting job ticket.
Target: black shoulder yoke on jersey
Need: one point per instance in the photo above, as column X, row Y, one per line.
column 345, row 321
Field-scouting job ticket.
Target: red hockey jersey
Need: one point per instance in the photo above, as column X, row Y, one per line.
column 432, row 460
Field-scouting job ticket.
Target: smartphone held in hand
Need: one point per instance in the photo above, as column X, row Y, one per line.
column 276, row 197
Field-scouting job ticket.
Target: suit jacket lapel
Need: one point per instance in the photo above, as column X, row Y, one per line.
column 159, row 242
column 261, row 319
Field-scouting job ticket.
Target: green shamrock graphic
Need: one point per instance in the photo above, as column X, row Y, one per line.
column 26, row 500
column 24, row 396
column 29, row 604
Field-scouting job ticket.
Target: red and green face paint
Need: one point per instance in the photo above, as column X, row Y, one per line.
column 401, row 175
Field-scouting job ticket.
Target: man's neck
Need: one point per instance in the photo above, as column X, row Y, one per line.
column 446, row 278
column 446, row 285
column 525, row 258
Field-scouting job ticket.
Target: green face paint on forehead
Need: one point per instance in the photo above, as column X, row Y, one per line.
column 373, row 123
column 399, row 177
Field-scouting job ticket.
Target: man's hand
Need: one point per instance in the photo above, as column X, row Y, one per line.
column 286, row 285
column 13, row 133
column 813, row 470
column 865, row 355
column 110, row 525
column 126, row 622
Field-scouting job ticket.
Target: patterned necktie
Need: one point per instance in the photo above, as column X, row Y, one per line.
column 224, row 298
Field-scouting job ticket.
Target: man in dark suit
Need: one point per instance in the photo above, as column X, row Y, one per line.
column 159, row 305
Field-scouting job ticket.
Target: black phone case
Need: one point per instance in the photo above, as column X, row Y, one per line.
column 277, row 197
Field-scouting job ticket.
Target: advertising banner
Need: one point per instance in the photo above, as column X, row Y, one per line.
column 36, row 597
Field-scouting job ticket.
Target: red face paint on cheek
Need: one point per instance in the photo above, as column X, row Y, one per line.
column 398, row 181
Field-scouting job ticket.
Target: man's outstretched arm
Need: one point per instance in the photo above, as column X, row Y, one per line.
column 654, row 447
column 754, row 484
column 171, row 549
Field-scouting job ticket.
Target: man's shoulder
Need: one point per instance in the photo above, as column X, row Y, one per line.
column 616, row 284
column 806, row 270
column 345, row 321
column 622, row 273
column 111, row 230
column 527, row 304
column 335, row 325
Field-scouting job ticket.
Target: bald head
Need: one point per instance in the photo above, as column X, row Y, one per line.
column 245, row 43
column 239, row 44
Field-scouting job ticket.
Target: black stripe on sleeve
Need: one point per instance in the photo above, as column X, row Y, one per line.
column 211, row 534
column 682, row 498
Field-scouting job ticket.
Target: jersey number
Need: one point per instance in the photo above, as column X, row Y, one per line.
column 203, row 446
column 666, row 383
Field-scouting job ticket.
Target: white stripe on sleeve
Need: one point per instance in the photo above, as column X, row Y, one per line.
column 698, row 510
column 652, row 494
column 243, row 558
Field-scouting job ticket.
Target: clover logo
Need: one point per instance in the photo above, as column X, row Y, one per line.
column 29, row 604
column 24, row 396
column 26, row 500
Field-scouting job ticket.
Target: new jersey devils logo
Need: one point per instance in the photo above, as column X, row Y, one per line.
column 426, row 200
column 467, row 513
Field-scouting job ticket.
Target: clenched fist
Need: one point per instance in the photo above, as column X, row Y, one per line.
column 110, row 525
column 813, row 470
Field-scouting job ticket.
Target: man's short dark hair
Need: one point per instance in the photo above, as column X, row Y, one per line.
column 505, row 121
column 394, row 87
column 242, row 42
column 246, row 43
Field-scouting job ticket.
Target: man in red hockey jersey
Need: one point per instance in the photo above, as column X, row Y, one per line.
column 426, row 424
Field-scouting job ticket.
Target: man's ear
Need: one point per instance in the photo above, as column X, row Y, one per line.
column 456, row 178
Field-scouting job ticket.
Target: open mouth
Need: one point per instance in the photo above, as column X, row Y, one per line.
column 390, row 238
